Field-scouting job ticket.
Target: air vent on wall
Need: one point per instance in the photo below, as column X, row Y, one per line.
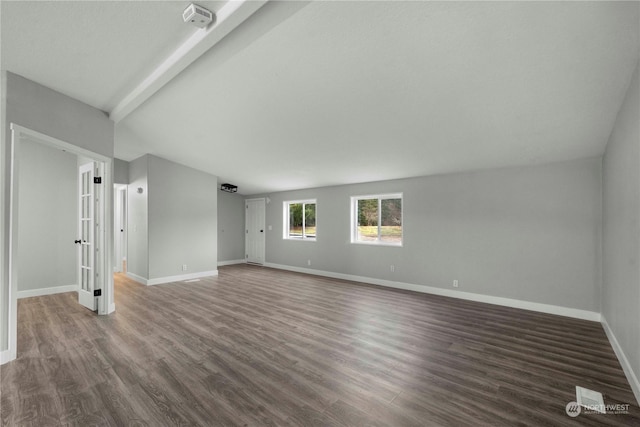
column 197, row 15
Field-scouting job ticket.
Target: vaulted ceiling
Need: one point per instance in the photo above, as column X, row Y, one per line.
column 303, row 94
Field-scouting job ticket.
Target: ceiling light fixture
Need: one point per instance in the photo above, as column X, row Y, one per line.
column 229, row 188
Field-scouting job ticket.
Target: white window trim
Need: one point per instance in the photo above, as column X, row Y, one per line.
column 354, row 218
column 285, row 222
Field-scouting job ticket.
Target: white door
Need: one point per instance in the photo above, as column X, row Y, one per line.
column 119, row 237
column 254, row 220
column 87, row 233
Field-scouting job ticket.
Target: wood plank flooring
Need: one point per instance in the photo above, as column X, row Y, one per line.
column 261, row 347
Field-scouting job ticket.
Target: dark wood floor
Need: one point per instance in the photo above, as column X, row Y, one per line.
column 257, row 346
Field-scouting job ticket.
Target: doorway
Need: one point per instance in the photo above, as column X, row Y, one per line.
column 101, row 248
column 254, row 231
column 120, row 228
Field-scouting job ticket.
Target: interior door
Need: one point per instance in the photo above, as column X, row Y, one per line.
column 255, row 235
column 120, row 219
column 86, row 242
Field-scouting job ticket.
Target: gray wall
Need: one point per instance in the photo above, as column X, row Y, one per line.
column 182, row 219
column 173, row 221
column 230, row 226
column 531, row 233
column 621, row 266
column 4, row 216
column 44, row 110
column 48, row 217
column 137, row 218
column 39, row 108
column 120, row 171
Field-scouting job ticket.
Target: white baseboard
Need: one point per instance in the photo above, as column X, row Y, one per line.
column 136, row 278
column 170, row 279
column 112, row 308
column 47, row 291
column 508, row 302
column 181, row 277
column 235, row 261
column 622, row 358
column 6, row 356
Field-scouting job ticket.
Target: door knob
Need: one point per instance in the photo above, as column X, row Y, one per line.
column 77, row 241
column 262, row 231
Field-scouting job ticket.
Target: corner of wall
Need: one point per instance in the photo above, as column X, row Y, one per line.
column 622, row 358
column 620, row 290
column 4, row 204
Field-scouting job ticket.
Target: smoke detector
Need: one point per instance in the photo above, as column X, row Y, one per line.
column 197, row 15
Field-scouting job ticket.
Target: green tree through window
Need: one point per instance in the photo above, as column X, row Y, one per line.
column 378, row 219
column 300, row 220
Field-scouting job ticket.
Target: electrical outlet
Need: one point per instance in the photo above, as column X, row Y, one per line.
column 455, row 283
column 392, row 268
column 184, row 267
column 308, row 262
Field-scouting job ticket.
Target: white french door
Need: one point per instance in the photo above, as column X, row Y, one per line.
column 88, row 230
column 255, row 236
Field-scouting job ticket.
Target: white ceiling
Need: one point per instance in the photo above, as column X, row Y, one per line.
column 306, row 95
column 94, row 51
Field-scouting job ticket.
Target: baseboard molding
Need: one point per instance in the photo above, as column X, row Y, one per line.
column 507, row 302
column 170, row 279
column 47, row 291
column 235, row 261
column 181, row 278
column 622, row 358
column 6, row 356
column 112, row 308
column 136, row 278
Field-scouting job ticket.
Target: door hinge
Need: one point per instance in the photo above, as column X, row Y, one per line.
column 97, row 180
column 97, row 292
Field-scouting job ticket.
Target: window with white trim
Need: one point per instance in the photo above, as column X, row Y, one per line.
column 300, row 220
column 377, row 219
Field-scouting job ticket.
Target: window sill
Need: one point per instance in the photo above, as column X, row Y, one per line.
column 394, row 245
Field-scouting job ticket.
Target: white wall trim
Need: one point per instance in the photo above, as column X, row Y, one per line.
column 137, row 278
column 507, row 302
column 47, row 291
column 181, row 277
column 232, row 262
column 6, row 356
column 622, row 358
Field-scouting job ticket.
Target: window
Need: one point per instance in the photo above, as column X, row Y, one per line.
column 377, row 219
column 300, row 220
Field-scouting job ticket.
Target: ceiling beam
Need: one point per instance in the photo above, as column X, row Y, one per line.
column 230, row 16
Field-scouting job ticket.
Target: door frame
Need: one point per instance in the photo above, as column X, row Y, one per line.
column 246, row 233
column 106, row 303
